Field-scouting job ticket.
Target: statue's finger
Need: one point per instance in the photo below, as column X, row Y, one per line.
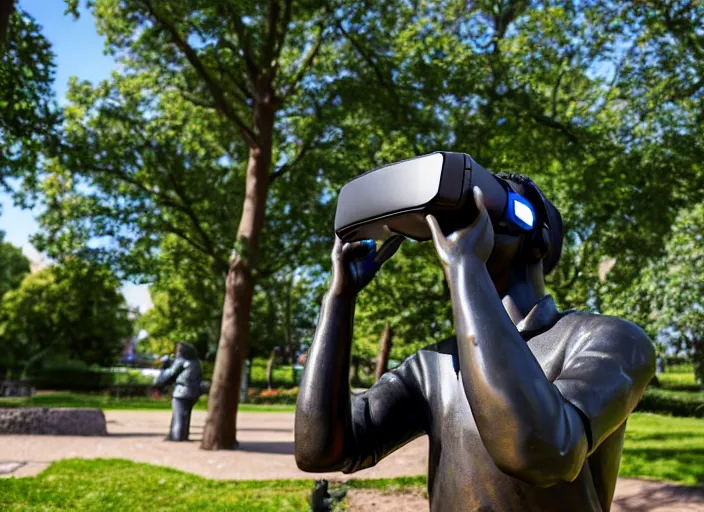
column 388, row 249
column 436, row 231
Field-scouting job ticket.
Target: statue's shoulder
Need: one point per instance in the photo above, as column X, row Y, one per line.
column 446, row 346
column 605, row 331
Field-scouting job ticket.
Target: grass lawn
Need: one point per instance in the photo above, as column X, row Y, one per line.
column 119, row 485
column 680, row 377
column 664, row 448
column 78, row 400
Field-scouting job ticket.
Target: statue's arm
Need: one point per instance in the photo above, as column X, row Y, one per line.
column 535, row 430
column 337, row 431
column 167, row 376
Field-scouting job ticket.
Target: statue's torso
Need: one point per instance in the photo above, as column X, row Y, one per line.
column 187, row 385
column 462, row 474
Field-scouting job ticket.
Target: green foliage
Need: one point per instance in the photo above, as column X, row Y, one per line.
column 75, row 310
column 669, row 291
column 13, row 266
column 679, row 379
column 411, row 294
column 676, row 403
column 77, row 376
column 282, row 374
column 29, row 116
column 599, row 102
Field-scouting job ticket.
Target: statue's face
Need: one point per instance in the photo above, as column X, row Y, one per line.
column 502, row 260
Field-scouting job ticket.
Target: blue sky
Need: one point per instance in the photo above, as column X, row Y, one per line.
column 79, row 52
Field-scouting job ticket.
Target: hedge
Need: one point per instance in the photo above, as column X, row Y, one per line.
column 675, row 403
column 85, row 379
column 272, row 396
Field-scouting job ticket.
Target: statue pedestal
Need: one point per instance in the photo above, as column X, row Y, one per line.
column 52, row 422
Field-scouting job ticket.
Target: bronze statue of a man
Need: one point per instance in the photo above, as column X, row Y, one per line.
column 186, row 374
column 525, row 408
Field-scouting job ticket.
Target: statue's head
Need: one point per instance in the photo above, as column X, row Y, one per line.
column 186, row 351
column 534, row 253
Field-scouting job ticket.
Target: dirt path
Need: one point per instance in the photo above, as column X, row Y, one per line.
column 266, row 452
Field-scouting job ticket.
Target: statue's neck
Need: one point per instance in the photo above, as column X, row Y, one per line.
column 526, row 288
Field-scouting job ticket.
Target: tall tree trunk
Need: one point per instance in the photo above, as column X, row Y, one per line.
column 220, row 431
column 382, row 361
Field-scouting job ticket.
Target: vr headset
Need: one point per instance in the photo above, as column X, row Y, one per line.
column 395, row 199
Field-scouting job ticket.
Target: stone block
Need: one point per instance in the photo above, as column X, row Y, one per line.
column 52, row 422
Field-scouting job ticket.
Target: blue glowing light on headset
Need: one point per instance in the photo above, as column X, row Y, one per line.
column 519, row 212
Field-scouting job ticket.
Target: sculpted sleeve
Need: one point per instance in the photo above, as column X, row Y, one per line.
column 389, row 415
column 605, row 373
column 168, row 375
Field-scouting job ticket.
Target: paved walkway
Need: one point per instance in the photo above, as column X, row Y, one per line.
column 266, row 452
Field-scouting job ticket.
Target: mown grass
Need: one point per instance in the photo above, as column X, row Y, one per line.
column 679, row 378
column 117, row 485
column 664, row 448
column 105, row 402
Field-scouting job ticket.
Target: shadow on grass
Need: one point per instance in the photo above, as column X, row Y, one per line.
column 675, row 464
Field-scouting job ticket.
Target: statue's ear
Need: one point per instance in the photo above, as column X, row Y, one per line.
column 540, row 244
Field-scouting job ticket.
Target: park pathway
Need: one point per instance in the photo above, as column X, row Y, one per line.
column 266, row 452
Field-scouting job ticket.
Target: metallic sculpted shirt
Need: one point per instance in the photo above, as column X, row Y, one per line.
column 185, row 373
column 600, row 364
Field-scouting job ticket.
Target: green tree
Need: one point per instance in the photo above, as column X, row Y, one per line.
column 28, row 116
column 667, row 298
column 220, row 101
column 13, row 266
column 74, row 310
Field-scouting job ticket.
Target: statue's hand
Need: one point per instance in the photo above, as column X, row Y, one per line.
column 356, row 263
column 473, row 242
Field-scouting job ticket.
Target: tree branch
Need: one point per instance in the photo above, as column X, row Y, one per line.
column 216, row 91
column 283, row 259
column 553, row 123
column 245, row 42
column 192, row 216
column 284, row 28
column 308, row 145
column 267, row 55
column 387, row 84
column 305, row 64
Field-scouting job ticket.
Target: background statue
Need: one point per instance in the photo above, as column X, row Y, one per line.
column 525, row 408
column 186, row 375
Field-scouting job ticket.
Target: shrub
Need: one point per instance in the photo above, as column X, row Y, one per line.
column 71, row 379
column 272, row 396
column 675, row 403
